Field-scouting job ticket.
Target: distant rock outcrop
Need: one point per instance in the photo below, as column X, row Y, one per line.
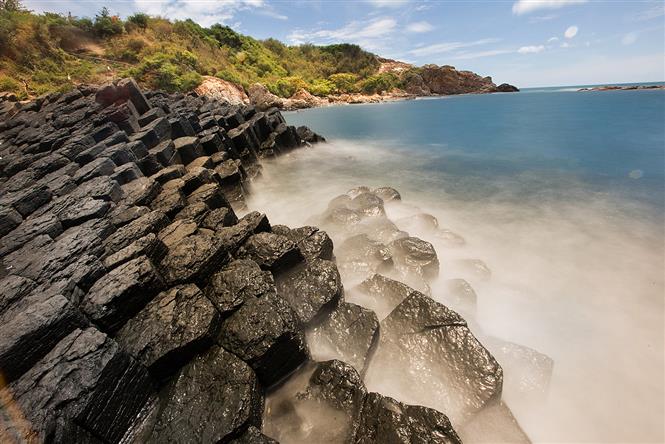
column 222, row 90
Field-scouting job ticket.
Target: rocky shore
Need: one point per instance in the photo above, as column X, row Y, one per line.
column 621, row 88
column 142, row 301
column 431, row 81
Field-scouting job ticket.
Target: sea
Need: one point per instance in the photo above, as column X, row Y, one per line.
column 562, row 194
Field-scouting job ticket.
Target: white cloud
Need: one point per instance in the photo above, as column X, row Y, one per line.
column 565, row 45
column 388, row 3
column 531, row 49
column 571, row 32
column 553, row 39
column 368, row 34
column 479, row 54
column 629, row 38
column 527, row 6
column 419, row 27
column 204, row 13
column 440, row 48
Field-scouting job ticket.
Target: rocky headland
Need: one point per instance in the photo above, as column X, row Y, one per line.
column 143, row 301
column 429, row 81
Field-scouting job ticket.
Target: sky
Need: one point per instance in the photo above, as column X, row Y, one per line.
column 527, row 43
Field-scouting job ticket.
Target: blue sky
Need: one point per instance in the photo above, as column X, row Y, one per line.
column 523, row 42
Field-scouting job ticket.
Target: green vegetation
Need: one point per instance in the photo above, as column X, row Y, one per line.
column 45, row 52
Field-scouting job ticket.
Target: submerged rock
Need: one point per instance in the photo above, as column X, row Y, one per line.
column 350, row 334
column 430, row 352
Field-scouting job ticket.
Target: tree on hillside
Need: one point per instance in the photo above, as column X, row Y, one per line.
column 106, row 24
column 11, row 5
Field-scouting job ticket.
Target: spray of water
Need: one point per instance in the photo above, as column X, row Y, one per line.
column 575, row 275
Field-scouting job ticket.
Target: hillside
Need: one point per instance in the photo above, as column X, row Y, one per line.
column 42, row 53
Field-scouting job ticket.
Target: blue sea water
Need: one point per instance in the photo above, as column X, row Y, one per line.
column 541, row 139
column 562, row 194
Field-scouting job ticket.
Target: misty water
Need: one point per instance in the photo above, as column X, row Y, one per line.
column 561, row 194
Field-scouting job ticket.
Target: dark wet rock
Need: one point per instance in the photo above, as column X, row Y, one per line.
column 461, row 295
column 102, row 188
column 253, row 436
column 381, row 229
column 171, row 329
column 210, row 194
column 367, row 205
column 177, row 231
column 126, row 173
column 218, row 218
column 48, row 224
column 387, row 194
column 264, row 332
column 148, row 223
column 9, row 219
column 313, row 290
column 149, row 246
column 102, row 166
column 387, row 292
column 350, row 334
column 196, row 213
column 413, row 255
column 32, row 332
column 271, row 251
column 311, row 242
column 342, row 217
column 359, row 255
column 429, row 350
column 200, row 162
column 384, row 419
column 237, row 282
column 188, row 148
column 230, row 172
column 218, row 394
column 86, row 382
column 84, row 210
column 197, row 177
column 194, row 259
column 141, row 192
column 128, row 89
column 506, row 87
column 122, row 215
column 307, row 135
column 354, row 192
column 153, row 133
column 169, row 202
column 14, row 288
column 27, row 201
column 169, row 173
column 122, row 293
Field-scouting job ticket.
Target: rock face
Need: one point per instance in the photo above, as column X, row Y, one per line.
column 222, row 90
